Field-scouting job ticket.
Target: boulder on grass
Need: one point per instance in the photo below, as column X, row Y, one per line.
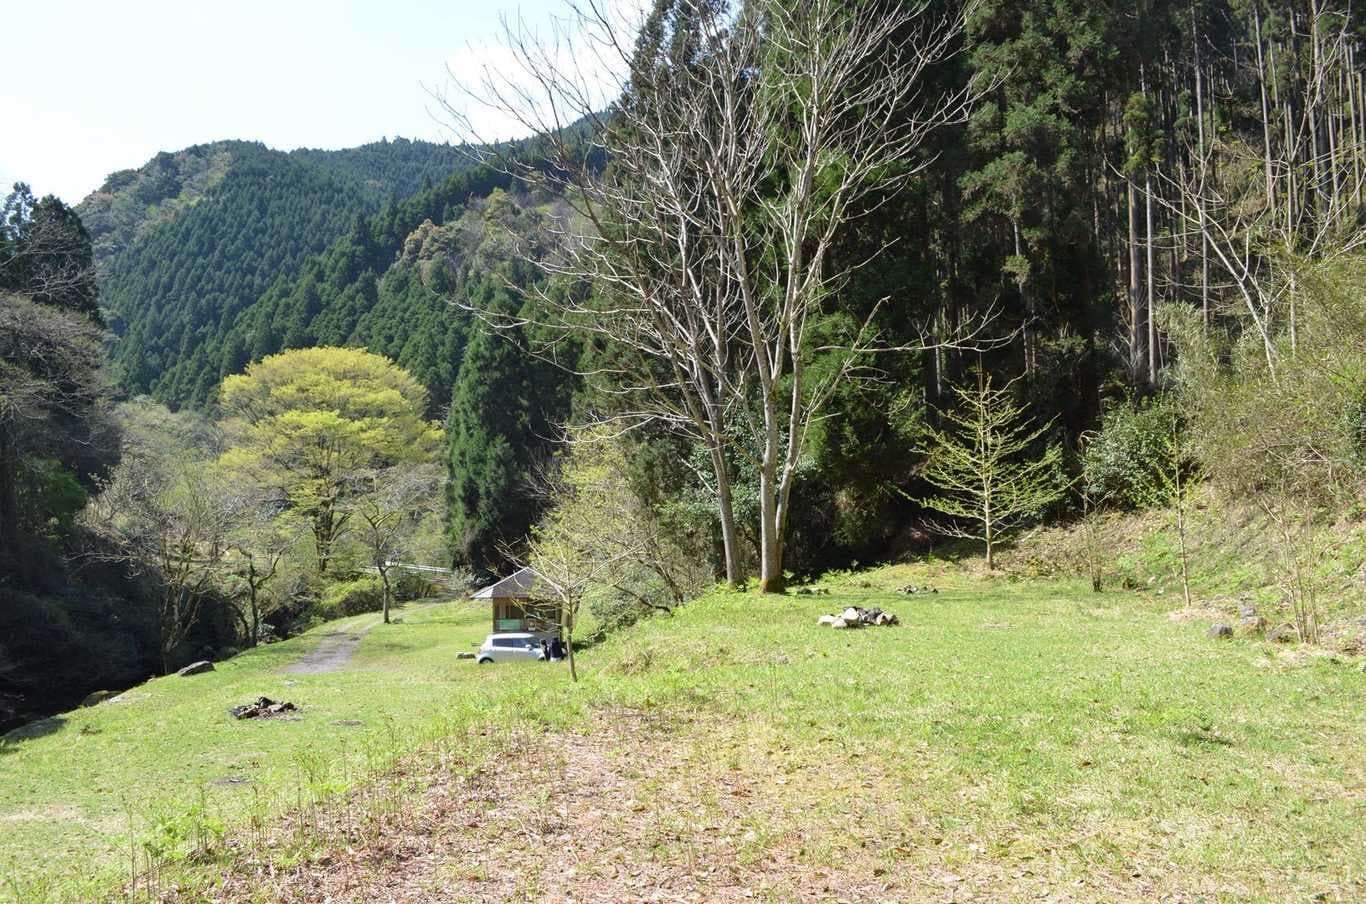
column 1254, row 624
column 850, row 615
column 1219, row 631
column 827, row 620
column 97, row 697
column 1283, row 633
column 196, row 668
column 464, row 654
column 839, row 623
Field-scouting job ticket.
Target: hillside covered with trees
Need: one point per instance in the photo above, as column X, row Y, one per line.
column 191, row 239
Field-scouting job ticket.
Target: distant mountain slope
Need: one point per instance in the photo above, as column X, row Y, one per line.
column 367, row 290
column 390, row 168
column 189, row 240
column 131, row 202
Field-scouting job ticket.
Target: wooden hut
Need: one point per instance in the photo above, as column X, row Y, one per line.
column 517, row 607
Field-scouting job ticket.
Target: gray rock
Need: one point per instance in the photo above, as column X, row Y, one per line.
column 839, row 623
column 1283, row 633
column 196, row 668
column 464, row 655
column 1253, row 624
column 1246, row 610
column 850, row 615
column 827, row 620
column 1217, row 630
column 97, row 697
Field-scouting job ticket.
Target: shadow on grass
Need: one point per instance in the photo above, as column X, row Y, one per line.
column 1203, row 738
column 9, row 743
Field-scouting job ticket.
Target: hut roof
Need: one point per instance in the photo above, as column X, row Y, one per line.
column 515, row 586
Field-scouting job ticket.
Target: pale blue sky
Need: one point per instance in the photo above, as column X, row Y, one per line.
column 93, row 86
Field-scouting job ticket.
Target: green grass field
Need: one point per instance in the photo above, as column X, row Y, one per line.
column 1006, row 728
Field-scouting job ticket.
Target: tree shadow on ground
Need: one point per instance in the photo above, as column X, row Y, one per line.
column 9, row 742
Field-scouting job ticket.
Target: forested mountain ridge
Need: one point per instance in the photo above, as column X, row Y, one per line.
column 192, row 238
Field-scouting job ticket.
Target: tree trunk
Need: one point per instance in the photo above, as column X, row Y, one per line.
column 1135, row 297
column 1266, row 110
column 771, row 578
column 991, row 546
column 726, row 508
column 770, row 527
column 9, row 496
column 322, row 537
column 384, row 593
column 1150, row 307
column 254, row 635
column 569, row 644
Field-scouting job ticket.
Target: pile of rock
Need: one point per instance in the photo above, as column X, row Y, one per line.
column 261, row 708
column 858, row 617
column 911, row 588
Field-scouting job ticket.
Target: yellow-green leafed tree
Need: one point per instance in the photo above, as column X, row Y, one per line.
column 307, row 423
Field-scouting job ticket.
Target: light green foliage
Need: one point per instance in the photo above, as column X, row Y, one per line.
column 353, row 597
column 983, row 466
column 306, row 423
column 657, row 563
column 1297, row 430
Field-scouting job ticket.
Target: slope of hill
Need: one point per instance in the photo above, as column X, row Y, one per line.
column 192, row 238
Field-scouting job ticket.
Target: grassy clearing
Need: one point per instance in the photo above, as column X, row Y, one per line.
column 1008, row 738
column 165, row 763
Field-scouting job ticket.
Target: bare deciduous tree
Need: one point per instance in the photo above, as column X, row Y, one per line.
column 741, row 141
column 164, row 510
column 261, row 535
column 388, row 505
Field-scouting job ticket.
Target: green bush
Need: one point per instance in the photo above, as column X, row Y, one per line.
column 353, row 597
column 1120, row 463
column 409, row 585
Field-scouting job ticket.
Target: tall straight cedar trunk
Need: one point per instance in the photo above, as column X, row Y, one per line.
column 9, row 495
column 1135, row 292
column 1150, row 320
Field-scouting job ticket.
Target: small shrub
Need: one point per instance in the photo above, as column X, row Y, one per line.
column 1121, row 462
column 353, row 597
column 409, row 585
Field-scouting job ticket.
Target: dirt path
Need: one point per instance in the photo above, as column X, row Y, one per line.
column 334, row 650
column 635, row 812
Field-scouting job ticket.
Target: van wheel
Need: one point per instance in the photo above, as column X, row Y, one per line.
column 486, row 662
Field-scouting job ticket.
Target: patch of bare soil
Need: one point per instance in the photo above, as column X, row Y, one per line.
column 332, row 653
column 637, row 812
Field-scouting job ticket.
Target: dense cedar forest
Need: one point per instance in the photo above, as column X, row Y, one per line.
column 1136, row 189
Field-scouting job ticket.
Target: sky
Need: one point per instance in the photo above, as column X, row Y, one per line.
column 95, row 86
